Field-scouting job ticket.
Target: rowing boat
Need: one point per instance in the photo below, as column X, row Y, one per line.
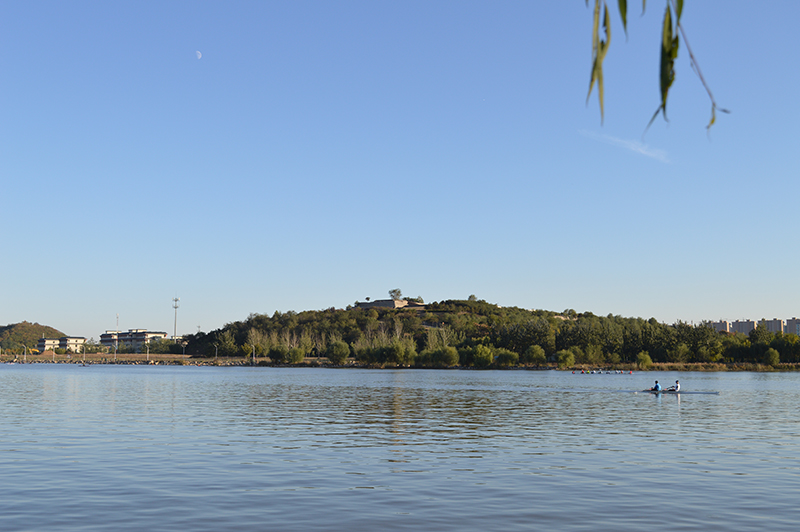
column 673, row 392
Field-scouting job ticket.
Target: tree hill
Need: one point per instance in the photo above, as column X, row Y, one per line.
column 476, row 333
column 16, row 335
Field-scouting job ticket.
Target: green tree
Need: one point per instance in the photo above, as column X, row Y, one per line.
column 534, row 355
column 761, row 334
column 445, row 357
column 227, row 344
column 679, row 354
column 482, row 357
column 396, row 294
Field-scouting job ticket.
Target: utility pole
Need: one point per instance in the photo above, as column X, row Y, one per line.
column 175, row 305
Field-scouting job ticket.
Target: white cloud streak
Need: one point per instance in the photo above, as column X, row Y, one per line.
column 632, row 145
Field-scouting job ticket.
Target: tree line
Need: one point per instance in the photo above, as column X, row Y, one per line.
column 476, row 333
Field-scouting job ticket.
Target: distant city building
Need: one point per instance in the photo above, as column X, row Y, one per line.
column 134, row 338
column 774, row 325
column 721, row 326
column 792, row 326
column 743, row 326
column 70, row 343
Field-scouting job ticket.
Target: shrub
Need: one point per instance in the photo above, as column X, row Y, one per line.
column 565, row 359
column 295, row 356
column 772, row 357
column 643, row 360
column 482, row 356
column 337, row 352
column 400, row 352
column 506, row 358
column 278, row 353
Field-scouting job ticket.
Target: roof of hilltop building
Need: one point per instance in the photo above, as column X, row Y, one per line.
column 390, row 303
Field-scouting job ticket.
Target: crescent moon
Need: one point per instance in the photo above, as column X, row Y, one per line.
column 199, row 55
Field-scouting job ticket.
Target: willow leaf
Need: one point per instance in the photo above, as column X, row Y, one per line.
column 669, row 52
column 713, row 117
column 599, row 50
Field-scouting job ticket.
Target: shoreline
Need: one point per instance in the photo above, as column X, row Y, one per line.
column 136, row 359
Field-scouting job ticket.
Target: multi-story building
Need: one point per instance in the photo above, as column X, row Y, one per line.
column 792, row 326
column 743, row 326
column 134, row 338
column 47, row 344
column 774, row 325
column 721, row 326
column 72, row 344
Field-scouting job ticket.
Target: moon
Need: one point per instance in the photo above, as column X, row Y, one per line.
column 199, row 55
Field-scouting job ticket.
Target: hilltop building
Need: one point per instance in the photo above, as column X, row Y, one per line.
column 390, row 303
column 134, row 338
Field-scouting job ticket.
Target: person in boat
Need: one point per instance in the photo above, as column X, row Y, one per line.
column 675, row 388
column 656, row 388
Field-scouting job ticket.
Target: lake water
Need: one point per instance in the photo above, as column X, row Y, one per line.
column 204, row 448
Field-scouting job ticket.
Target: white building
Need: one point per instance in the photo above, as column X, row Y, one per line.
column 72, row 344
column 47, row 344
column 134, row 338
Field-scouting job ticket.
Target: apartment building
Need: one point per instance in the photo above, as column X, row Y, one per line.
column 742, row 326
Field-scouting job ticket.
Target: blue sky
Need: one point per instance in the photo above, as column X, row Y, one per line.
column 319, row 153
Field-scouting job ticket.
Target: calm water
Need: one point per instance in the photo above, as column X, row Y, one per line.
column 169, row 448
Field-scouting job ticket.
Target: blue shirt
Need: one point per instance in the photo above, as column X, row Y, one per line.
column 657, row 387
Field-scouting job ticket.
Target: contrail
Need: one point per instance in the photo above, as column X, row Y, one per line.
column 632, row 145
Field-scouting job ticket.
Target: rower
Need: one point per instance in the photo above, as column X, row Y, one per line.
column 675, row 388
column 656, row 388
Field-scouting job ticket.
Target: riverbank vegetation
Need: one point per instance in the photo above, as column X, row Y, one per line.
column 474, row 333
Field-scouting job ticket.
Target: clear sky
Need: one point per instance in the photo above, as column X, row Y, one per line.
column 318, row 153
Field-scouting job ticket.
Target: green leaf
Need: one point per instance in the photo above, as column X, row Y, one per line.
column 623, row 13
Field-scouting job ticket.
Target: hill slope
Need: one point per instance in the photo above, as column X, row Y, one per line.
column 25, row 333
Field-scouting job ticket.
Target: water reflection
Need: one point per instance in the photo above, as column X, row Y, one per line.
column 221, row 448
